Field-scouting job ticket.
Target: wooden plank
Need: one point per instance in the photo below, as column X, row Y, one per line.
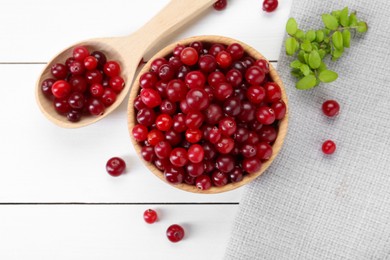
column 112, row 232
column 34, row 31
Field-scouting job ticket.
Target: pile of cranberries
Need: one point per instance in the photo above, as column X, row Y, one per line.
column 86, row 84
column 268, row 5
column 207, row 114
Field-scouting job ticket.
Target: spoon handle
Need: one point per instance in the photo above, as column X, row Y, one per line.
column 169, row 19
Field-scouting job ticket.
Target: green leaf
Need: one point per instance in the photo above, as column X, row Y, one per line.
column 336, row 14
column 296, row 64
column 320, row 36
column 306, row 46
column 322, row 67
column 352, row 19
column 314, row 60
column 299, row 34
column 306, row 56
column 344, row 19
column 362, row 27
column 297, row 73
column 307, row 82
column 337, row 54
column 305, row 69
column 291, row 46
column 301, row 56
column 291, row 26
column 310, row 35
column 327, row 76
column 346, row 38
column 330, row 21
column 337, row 39
column 322, row 53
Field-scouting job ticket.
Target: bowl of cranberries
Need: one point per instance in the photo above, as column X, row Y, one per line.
column 207, row 114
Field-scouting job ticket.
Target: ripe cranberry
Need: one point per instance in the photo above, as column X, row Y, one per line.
column 100, row 57
column 109, row 97
column 78, row 83
column 219, row 178
column 148, row 80
column 267, row 134
column 96, row 90
column 247, row 113
column 176, row 90
column 207, row 63
column 203, row 182
column 115, row 166
column 236, row 175
column 255, row 75
column 138, row 104
column 175, row 233
column 179, row 123
column 222, row 91
column 239, row 65
column 265, row 115
column 94, row 76
column 263, row 64
column 279, row 108
column 224, row 59
column 59, row 71
column 198, row 46
column 90, row 63
column 175, row 63
column 177, row 50
column 219, row 5
column 80, row 53
column 270, row 5
column 117, row 83
column 182, row 72
column 215, row 78
column 150, row 97
column 112, row 68
column 164, row 122
column 140, row 132
column 46, row 87
column 194, row 120
column 73, row 116
column 197, row 99
column 189, row 56
column 227, row 126
column 150, row 216
column 69, row 61
column 234, row 77
column 195, row 153
column 76, row 100
column 253, row 138
column 193, row 135
column 248, row 150
column 178, row 157
column 174, row 175
column 214, row 135
column 241, row 135
column 61, row 89
column 173, row 137
column 147, row 153
column 328, row 147
column 209, row 151
column 225, row 163
column 213, row 114
column 166, row 72
column 162, row 164
column 146, row 116
column 194, row 169
column 251, row 165
column 236, row 51
column 157, row 63
column 168, row 107
column 155, row 136
column 216, row 48
column 263, row 151
column 225, row 145
column 273, row 92
column 162, row 149
column 61, row 106
column 330, row 108
column 195, row 79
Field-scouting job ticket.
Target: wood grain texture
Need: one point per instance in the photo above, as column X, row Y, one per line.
column 282, row 125
column 128, row 50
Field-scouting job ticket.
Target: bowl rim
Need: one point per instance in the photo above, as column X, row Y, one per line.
column 282, row 127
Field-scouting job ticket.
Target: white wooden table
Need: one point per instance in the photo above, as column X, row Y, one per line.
column 56, row 200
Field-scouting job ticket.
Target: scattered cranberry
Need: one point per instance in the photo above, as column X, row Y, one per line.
column 328, row 147
column 115, row 166
column 150, row 216
column 219, row 5
column 175, row 233
column 331, row 108
column 270, row 5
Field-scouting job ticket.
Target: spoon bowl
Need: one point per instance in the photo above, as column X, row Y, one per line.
column 127, row 50
column 282, row 127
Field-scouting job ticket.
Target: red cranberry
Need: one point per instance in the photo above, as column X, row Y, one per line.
column 253, row 138
column 279, row 108
column 194, row 169
column 175, row 233
column 194, row 120
column 100, row 57
column 166, row 72
column 255, row 94
column 148, row 80
column 155, row 136
column 182, row 72
column 198, row 46
column 115, row 166
column 77, row 68
column 195, row 153
column 255, row 75
column 150, row 97
column 175, row 63
column 213, row 114
column 173, row 137
column 46, row 87
column 219, row 5
column 207, row 63
column 178, row 157
column 76, row 100
column 61, row 106
column 177, row 50
column 251, row 165
column 90, row 63
column 270, row 5
column 265, row 115
column 248, row 150
column 263, row 64
column 193, row 135
column 78, row 83
column 96, row 90
column 112, row 68
column 203, row 182
column 73, row 116
column 248, row 61
column 147, row 153
column 61, row 89
column 189, row 179
column 328, row 147
column 216, row 48
column 164, row 122
column 162, row 149
column 209, row 151
column 225, row 145
column 267, row 134
column 225, row 163
column 179, row 123
column 223, row 91
column 168, row 107
column 150, row 216
column 197, row 99
column 157, row 63
column 94, row 76
column 195, row 79
column 228, row 126
column 241, row 135
column 176, row 90
column 117, row 83
column 69, row 61
column 236, row 51
column 247, row 113
column 331, row 108
column 224, row 59
column 140, row 132
column 234, row 77
column 236, row 175
column 109, row 97
column 161, row 88
column 263, row 151
column 216, row 78
column 80, row 53
column 174, row 175
column 273, row 92
column 189, row 56
column 219, row 178
column 214, row 135
column 146, row 116
column 138, row 104
column 59, row 71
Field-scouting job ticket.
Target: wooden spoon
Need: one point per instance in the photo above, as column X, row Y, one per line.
column 128, row 50
column 282, row 130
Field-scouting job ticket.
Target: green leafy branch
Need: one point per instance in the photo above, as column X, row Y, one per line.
column 312, row 47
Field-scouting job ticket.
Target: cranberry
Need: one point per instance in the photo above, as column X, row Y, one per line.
column 255, row 94
column 173, row 137
column 166, row 72
column 140, row 132
column 94, row 76
column 270, row 5
column 174, row 175
column 76, row 100
column 247, row 113
column 138, row 104
column 225, row 145
column 330, row 108
column 241, row 135
column 213, row 114
column 225, row 163
column 176, row 90
column 73, row 116
column 161, row 87
column 162, row 164
column 179, row 123
column 273, row 92
column 203, row 182
column 61, row 89
column 251, row 165
column 236, row 175
column 215, row 78
column 148, row 80
column 194, row 120
column 255, row 75
column 59, row 71
column 155, row 136
column 248, row 61
column 219, row 5
column 328, row 147
column 61, row 106
column 112, row 68
column 90, row 63
column 234, row 77
column 150, row 216
column 109, row 97
column 267, row 134
column 182, row 72
column 236, row 51
column 168, row 107
column 175, row 63
column 197, row 99
column 100, row 57
column 80, row 53
column 175, row 233
column 146, row 116
column 78, row 83
column 195, row 153
column 265, row 115
column 214, row 135
column 162, row 149
column 150, row 97
column 263, row 151
column 115, row 166
column 178, row 157
column 209, row 151
column 69, row 61
column 208, row 166
column 46, row 87
column 248, row 150
column 228, row 126
column 147, row 153
column 193, row 135
column 223, row 91
column 224, row 59
column 195, row 79
column 194, row 169
column 216, row 48
column 239, row 65
column 263, row 64
column 157, row 63
column 219, row 178
column 207, row 63
column 117, row 83
column 189, row 56
column 279, row 108
column 164, row 122
column 253, row 138
column 177, row 50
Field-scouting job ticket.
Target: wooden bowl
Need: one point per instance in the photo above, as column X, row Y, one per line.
column 282, row 130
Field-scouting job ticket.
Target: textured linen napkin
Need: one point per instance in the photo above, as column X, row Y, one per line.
column 311, row 206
